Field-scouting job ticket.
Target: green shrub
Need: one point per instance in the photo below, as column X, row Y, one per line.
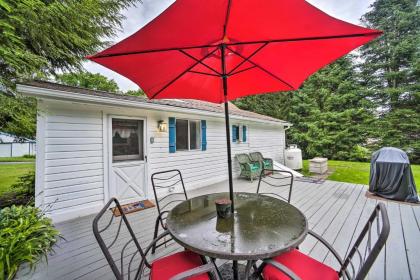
column 26, row 235
column 360, row 153
column 21, row 193
column 29, row 156
column 25, row 185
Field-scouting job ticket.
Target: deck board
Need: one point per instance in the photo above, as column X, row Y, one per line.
column 337, row 211
column 396, row 257
column 334, row 226
column 411, row 238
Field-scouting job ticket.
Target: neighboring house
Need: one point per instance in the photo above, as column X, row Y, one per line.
column 13, row 146
column 94, row 145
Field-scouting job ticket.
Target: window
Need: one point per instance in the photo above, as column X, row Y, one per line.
column 188, row 135
column 127, row 139
column 239, row 133
column 181, row 135
column 195, row 138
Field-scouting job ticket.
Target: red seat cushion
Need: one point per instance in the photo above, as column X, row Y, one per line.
column 169, row 266
column 302, row 265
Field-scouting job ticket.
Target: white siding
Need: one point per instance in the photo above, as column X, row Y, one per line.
column 201, row 168
column 75, row 166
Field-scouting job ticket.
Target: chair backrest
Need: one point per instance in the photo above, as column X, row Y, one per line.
column 118, row 241
column 367, row 246
column 243, row 158
column 171, row 184
column 278, row 183
column 256, row 156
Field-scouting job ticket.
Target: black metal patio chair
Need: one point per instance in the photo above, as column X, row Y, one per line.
column 273, row 182
column 127, row 260
column 169, row 189
column 359, row 260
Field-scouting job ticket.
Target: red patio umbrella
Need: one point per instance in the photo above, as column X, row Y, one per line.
column 220, row 50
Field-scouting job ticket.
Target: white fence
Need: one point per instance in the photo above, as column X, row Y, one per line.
column 17, row 149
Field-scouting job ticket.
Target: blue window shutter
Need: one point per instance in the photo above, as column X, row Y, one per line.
column 203, row 135
column 172, row 135
column 234, row 128
column 244, row 133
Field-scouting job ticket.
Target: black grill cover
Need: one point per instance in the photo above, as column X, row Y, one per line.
column 391, row 176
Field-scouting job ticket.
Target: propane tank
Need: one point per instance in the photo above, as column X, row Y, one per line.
column 293, row 157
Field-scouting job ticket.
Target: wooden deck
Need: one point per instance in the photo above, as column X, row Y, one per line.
column 335, row 210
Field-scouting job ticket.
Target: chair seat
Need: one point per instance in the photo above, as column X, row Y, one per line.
column 302, row 265
column 169, row 266
column 255, row 166
column 267, row 162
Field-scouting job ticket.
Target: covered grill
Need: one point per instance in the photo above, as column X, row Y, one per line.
column 391, row 176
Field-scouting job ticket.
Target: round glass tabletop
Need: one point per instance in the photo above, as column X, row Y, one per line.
column 261, row 227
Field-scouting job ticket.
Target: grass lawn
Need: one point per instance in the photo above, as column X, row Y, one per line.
column 9, row 174
column 16, row 159
column 355, row 172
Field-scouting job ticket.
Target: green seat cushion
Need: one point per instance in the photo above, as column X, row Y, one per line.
column 254, row 166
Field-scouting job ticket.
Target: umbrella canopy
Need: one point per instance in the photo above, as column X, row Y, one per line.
column 271, row 46
column 220, row 50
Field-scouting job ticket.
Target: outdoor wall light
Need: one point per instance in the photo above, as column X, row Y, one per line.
column 162, row 126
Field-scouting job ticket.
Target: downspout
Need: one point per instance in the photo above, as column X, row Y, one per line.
column 284, row 150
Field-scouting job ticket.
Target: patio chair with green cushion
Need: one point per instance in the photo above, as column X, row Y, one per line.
column 297, row 265
column 266, row 163
column 249, row 169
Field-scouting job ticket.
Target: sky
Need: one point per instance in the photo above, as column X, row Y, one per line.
column 136, row 17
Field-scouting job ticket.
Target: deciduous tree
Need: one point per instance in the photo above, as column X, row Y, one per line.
column 89, row 80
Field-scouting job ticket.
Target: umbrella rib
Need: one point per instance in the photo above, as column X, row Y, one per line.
column 180, row 75
column 200, row 62
column 307, row 38
column 243, row 70
column 238, row 43
column 226, row 19
column 204, row 73
column 248, row 58
column 264, row 70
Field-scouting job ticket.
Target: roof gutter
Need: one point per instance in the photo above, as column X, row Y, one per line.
column 45, row 93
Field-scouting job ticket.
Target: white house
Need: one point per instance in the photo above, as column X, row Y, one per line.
column 94, row 145
column 13, row 146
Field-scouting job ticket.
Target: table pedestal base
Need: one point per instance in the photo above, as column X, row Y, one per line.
column 226, row 272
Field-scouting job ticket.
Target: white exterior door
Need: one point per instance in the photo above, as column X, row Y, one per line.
column 127, row 178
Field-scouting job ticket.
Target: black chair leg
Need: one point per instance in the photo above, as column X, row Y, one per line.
column 213, row 260
column 155, row 234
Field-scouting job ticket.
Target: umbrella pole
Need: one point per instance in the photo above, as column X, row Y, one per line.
column 229, row 154
column 229, row 151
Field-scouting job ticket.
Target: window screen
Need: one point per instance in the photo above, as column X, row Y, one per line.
column 237, row 134
column 181, row 135
column 195, row 135
column 127, row 139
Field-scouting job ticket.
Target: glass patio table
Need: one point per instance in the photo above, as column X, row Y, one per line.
column 261, row 227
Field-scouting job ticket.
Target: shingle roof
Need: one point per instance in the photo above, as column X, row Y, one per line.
column 182, row 103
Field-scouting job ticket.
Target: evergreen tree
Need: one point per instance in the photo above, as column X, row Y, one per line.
column 391, row 71
column 18, row 115
column 276, row 105
column 39, row 37
column 42, row 36
column 330, row 113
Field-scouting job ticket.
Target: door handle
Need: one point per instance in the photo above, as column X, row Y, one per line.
column 145, row 158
